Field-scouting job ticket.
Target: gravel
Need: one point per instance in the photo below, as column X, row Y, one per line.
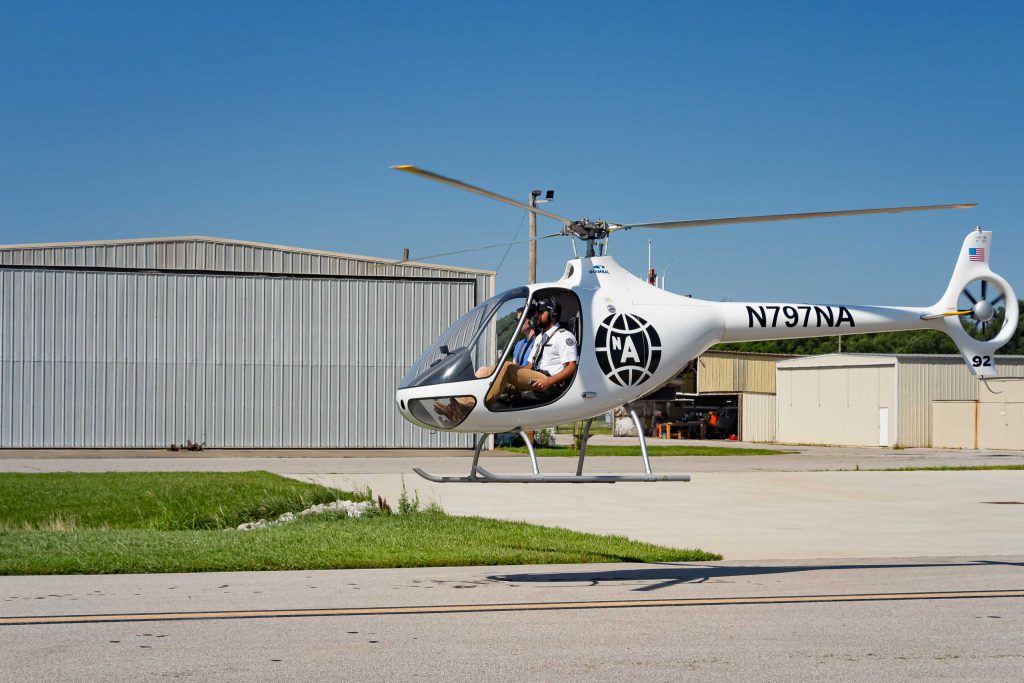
column 350, row 508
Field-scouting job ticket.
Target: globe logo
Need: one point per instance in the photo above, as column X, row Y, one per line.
column 628, row 349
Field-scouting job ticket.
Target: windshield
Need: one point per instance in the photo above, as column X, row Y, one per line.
column 472, row 346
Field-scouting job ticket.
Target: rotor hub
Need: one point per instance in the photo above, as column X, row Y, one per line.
column 983, row 311
column 586, row 229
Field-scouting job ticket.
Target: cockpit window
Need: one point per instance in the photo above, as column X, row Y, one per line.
column 473, row 345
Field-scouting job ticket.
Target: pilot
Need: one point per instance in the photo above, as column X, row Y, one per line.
column 552, row 361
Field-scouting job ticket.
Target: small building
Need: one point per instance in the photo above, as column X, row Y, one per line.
column 745, row 380
column 737, row 384
column 147, row 342
column 897, row 400
column 995, row 420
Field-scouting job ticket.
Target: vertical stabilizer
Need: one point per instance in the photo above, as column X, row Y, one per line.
column 972, row 266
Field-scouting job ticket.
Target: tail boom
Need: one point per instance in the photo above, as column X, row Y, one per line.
column 762, row 321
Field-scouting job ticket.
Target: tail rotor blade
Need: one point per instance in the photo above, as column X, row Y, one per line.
column 970, row 296
column 998, row 299
column 984, row 289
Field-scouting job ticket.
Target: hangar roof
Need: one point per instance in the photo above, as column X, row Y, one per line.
column 217, row 254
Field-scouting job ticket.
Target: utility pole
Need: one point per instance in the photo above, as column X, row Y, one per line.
column 533, row 236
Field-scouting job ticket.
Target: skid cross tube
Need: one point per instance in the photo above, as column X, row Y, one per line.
column 480, row 475
column 584, row 437
column 643, row 440
column 529, row 449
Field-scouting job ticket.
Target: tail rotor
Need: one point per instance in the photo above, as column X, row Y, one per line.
column 979, row 309
column 982, row 309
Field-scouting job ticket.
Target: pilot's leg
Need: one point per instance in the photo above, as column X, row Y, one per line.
column 523, row 377
column 501, row 381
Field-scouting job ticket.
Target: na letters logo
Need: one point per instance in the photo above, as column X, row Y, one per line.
column 628, row 349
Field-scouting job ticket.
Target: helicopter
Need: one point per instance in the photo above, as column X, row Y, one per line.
column 631, row 337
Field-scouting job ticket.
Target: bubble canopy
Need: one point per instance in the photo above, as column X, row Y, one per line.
column 475, row 341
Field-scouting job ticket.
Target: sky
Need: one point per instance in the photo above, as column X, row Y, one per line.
column 278, row 122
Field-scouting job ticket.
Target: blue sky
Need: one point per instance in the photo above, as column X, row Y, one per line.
column 277, row 122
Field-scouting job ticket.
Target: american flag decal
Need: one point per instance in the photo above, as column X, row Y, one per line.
column 976, row 253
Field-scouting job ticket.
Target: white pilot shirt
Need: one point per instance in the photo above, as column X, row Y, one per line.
column 555, row 348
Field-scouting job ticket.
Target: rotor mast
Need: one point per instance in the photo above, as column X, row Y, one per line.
column 589, row 231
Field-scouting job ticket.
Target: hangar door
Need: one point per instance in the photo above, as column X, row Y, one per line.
column 130, row 359
column 845, row 406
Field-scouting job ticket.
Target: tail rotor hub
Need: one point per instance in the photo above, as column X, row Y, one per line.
column 983, row 311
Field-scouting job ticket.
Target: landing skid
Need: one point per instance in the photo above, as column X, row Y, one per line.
column 478, row 474
column 570, row 478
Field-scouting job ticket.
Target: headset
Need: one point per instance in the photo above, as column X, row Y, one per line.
column 545, row 304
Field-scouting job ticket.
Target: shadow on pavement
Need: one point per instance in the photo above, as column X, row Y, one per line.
column 665, row 576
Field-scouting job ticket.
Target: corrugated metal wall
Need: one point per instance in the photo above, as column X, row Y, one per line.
column 723, row 372
column 758, row 414
column 933, row 378
column 136, row 359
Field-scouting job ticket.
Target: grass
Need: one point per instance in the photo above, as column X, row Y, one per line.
column 172, row 522
column 159, row 501
column 944, row 468
column 568, row 451
column 597, row 427
column 426, row 539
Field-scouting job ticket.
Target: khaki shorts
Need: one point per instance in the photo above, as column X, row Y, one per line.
column 511, row 374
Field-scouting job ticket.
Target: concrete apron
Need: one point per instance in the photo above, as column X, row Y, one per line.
column 757, row 516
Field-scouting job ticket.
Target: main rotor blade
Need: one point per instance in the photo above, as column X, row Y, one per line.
column 423, row 173
column 788, row 216
column 465, row 251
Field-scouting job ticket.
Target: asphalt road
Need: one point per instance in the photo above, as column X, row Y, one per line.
column 912, row 616
column 893, row 619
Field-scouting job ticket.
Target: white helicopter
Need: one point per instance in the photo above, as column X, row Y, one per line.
column 632, row 337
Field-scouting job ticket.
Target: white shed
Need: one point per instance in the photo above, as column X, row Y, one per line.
column 878, row 400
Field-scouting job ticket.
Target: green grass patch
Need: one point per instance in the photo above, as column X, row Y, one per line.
column 426, row 539
column 597, row 427
column 163, row 501
column 112, row 523
column 942, row 468
column 568, row 451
